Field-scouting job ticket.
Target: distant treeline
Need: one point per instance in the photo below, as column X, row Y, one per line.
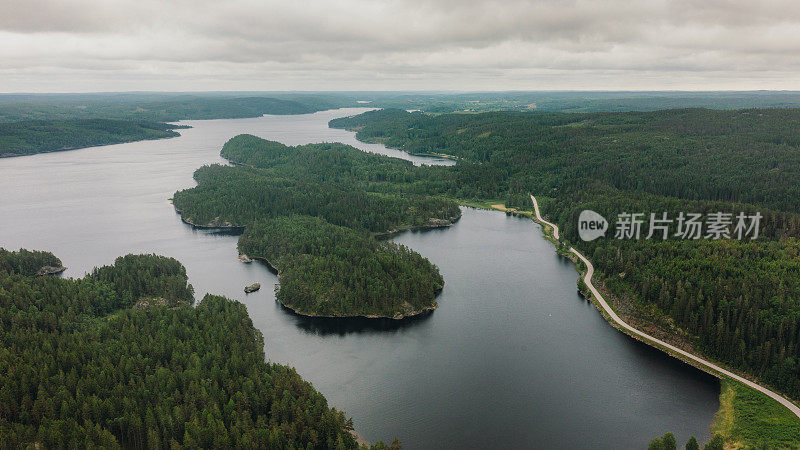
column 37, row 136
column 331, row 264
column 739, row 300
column 577, row 101
column 164, row 106
column 120, row 359
column 71, row 122
column 157, row 108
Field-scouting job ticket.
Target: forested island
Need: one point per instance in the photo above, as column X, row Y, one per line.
column 314, row 213
column 735, row 301
column 121, row 359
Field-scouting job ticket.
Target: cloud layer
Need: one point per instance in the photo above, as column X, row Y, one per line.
column 89, row 45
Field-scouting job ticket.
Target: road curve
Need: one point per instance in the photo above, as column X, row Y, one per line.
column 540, row 219
column 587, row 278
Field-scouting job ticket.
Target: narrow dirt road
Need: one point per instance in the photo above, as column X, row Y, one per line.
column 540, row 219
column 587, row 278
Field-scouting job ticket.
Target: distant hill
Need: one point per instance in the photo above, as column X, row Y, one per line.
column 28, row 137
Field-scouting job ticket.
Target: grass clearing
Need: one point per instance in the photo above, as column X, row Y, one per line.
column 479, row 204
column 750, row 419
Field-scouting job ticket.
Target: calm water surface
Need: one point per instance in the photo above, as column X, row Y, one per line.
column 512, row 358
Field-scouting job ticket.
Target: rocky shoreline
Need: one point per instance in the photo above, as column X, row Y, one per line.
column 431, row 224
column 50, row 270
column 397, row 317
column 215, row 224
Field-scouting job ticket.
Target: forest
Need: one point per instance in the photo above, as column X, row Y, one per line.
column 739, row 301
column 83, row 362
column 38, row 136
column 352, row 198
column 330, row 270
column 744, row 156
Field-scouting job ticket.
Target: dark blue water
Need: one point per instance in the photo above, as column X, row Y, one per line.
column 512, row 358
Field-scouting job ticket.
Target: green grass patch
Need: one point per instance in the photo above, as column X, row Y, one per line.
column 749, row 419
column 480, row 204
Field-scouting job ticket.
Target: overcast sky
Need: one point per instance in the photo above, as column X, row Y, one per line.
column 117, row 45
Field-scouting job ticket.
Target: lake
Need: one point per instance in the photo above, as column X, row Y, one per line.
column 513, row 357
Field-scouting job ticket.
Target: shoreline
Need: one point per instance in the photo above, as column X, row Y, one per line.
column 437, row 223
column 370, row 140
column 59, row 150
column 397, row 317
column 225, row 226
column 434, row 224
column 611, row 316
column 360, row 440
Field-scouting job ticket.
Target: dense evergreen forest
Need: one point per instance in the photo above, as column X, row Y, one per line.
column 330, row 270
column 740, row 300
column 37, row 136
column 352, row 198
column 87, row 363
column 746, row 156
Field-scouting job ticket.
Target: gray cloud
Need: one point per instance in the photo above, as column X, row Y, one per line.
column 56, row 45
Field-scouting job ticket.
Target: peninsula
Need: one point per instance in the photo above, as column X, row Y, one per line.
column 316, row 214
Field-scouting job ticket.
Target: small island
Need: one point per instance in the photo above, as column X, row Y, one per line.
column 252, row 288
